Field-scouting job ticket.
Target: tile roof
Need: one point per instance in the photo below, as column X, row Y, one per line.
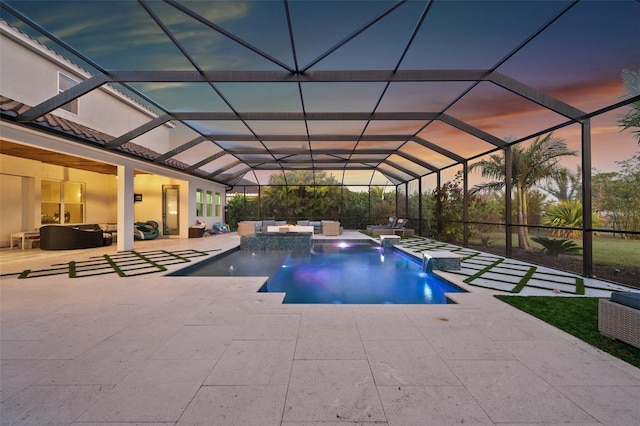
column 10, row 109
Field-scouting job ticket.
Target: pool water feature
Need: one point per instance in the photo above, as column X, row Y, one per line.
column 336, row 272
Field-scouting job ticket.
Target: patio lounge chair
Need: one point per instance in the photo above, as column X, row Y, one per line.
column 389, row 225
column 396, row 229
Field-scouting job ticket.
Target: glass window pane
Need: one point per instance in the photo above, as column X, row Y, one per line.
column 73, row 213
column 217, row 204
column 199, row 202
column 50, row 191
column 65, row 83
column 73, row 192
column 209, row 203
column 50, row 213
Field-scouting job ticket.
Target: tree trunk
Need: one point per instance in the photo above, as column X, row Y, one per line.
column 521, row 206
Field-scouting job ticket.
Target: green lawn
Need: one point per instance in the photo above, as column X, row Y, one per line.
column 577, row 316
column 606, row 249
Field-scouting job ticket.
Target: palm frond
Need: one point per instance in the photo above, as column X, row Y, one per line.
column 487, row 187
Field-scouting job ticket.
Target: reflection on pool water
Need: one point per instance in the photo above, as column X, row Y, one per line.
column 353, row 272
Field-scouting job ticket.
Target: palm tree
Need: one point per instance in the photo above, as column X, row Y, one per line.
column 530, row 165
column 632, row 88
column 566, row 188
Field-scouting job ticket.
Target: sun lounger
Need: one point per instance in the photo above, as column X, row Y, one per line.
column 389, row 225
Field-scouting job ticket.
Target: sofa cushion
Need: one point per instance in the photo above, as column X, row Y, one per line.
column 303, row 223
column 626, row 298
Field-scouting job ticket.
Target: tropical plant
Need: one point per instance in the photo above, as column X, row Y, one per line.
column 557, row 246
column 241, row 208
column 356, row 213
column 616, row 195
column 382, row 204
column 530, row 165
column 291, row 195
column 567, row 214
column 565, row 187
column 631, row 119
column 449, row 199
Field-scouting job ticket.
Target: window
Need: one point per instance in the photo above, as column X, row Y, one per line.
column 64, row 83
column 73, row 205
column 61, row 202
column 199, row 203
column 217, row 204
column 209, row 203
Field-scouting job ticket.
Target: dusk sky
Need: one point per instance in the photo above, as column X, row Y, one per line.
column 577, row 59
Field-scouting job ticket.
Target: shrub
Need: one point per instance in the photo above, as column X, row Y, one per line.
column 557, row 246
column 567, row 214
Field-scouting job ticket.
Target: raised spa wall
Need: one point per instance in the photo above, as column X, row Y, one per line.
column 276, row 241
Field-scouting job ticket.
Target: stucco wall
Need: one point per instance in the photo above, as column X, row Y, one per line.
column 30, row 75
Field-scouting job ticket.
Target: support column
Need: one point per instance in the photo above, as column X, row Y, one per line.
column 420, row 220
column 587, row 207
column 125, row 208
column 465, row 204
column 508, row 176
column 438, row 207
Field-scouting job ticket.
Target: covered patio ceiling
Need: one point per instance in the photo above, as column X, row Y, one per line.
column 369, row 92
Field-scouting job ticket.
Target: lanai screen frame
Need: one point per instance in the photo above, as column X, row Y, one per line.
column 394, row 171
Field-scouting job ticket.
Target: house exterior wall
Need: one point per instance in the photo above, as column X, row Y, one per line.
column 29, row 74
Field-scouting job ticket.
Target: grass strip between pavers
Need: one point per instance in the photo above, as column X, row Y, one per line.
column 523, row 282
column 482, row 271
column 114, row 265
column 30, row 273
column 160, row 267
column 118, row 263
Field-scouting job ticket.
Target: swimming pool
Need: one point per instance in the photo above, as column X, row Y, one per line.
column 338, row 272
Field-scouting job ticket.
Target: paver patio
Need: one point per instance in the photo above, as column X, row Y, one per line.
column 164, row 351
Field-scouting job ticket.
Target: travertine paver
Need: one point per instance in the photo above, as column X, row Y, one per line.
column 408, row 363
column 510, row 392
column 254, row 362
column 329, row 390
column 44, row 405
column 159, row 390
column 437, row 405
column 162, row 351
column 236, row 406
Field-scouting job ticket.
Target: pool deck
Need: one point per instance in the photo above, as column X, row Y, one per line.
column 160, row 351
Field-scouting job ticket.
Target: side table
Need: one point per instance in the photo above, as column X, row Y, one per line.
column 25, row 237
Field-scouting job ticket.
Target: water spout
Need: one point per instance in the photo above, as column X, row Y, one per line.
column 427, row 263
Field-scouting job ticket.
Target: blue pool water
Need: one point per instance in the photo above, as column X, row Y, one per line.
column 335, row 272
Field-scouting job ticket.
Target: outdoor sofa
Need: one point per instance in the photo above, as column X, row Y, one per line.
column 248, row 227
column 619, row 317
column 60, row 237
